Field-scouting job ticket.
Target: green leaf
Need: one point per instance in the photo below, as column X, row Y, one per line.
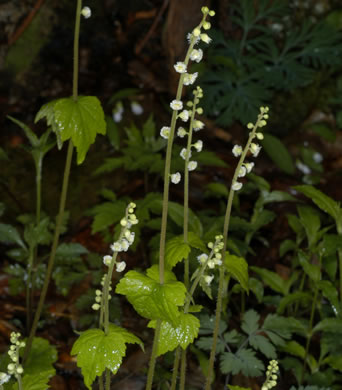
column 313, row 271
column 257, row 288
column 217, row 189
column 272, row 279
column 80, row 120
column 243, row 361
column 277, row 196
column 31, row 136
column 250, row 322
column 324, row 131
column 97, row 351
column 107, row 214
column 41, row 357
column 323, row 201
column 329, row 291
column 278, row 153
column 331, row 244
column 47, row 111
column 113, row 133
column 38, row 381
column 150, row 298
column 71, row 250
column 289, row 299
column 311, row 222
column 262, row 344
column 10, row 235
column 238, row 268
column 176, row 213
column 329, row 325
column 195, row 242
column 279, row 328
column 209, row 158
column 230, row 387
column 171, row 337
column 294, row 348
column 175, row 251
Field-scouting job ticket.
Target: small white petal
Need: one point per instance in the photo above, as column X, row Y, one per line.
column 192, row 165
column 181, row 132
column 180, row 67
column 236, row 186
column 120, row 266
column 136, row 108
column 202, row 258
column 165, row 132
column 86, row 12
column 237, row 150
column 198, row 145
column 176, row 105
column 176, row 178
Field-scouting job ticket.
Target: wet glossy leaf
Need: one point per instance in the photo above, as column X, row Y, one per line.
column 10, row 235
column 47, row 111
column 238, row 268
column 97, row 351
column 183, row 335
column 150, row 298
column 175, row 251
column 80, row 120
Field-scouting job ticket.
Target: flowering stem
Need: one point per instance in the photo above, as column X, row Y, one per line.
column 165, row 211
column 225, row 240
column 63, row 195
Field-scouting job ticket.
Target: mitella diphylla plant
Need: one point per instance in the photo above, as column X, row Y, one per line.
column 101, row 350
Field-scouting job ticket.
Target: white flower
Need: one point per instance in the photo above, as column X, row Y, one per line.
column 196, row 55
column 317, row 157
column 176, row 105
column 184, row 115
column 165, row 132
column 136, row 108
column 211, row 264
column 237, row 150
column 96, row 306
column 208, row 279
column 198, row 125
column 202, row 258
column 192, row 165
column 205, row 38
column 4, row 378
column 191, row 37
column 183, row 153
column 107, row 260
column 242, row 171
column 249, row 166
column 198, row 145
column 129, row 237
column 259, row 136
column 117, row 112
column 303, row 168
column 120, row 266
column 255, row 149
column 190, row 78
column 217, row 261
column 236, row 186
column 125, row 245
column 180, row 67
column 86, row 12
column 116, row 247
column 176, row 178
column 181, row 132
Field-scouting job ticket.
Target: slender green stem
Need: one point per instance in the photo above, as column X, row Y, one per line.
column 339, row 252
column 29, row 288
column 222, row 270
column 20, row 384
column 76, row 49
column 308, row 340
column 166, row 202
column 53, row 250
column 63, row 194
column 183, row 370
column 175, row 368
column 153, row 356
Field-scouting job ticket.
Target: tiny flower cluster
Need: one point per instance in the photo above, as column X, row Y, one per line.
column 15, row 368
column 4, row 378
column 271, row 375
column 124, row 242
column 86, row 12
column 214, row 259
column 254, row 148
